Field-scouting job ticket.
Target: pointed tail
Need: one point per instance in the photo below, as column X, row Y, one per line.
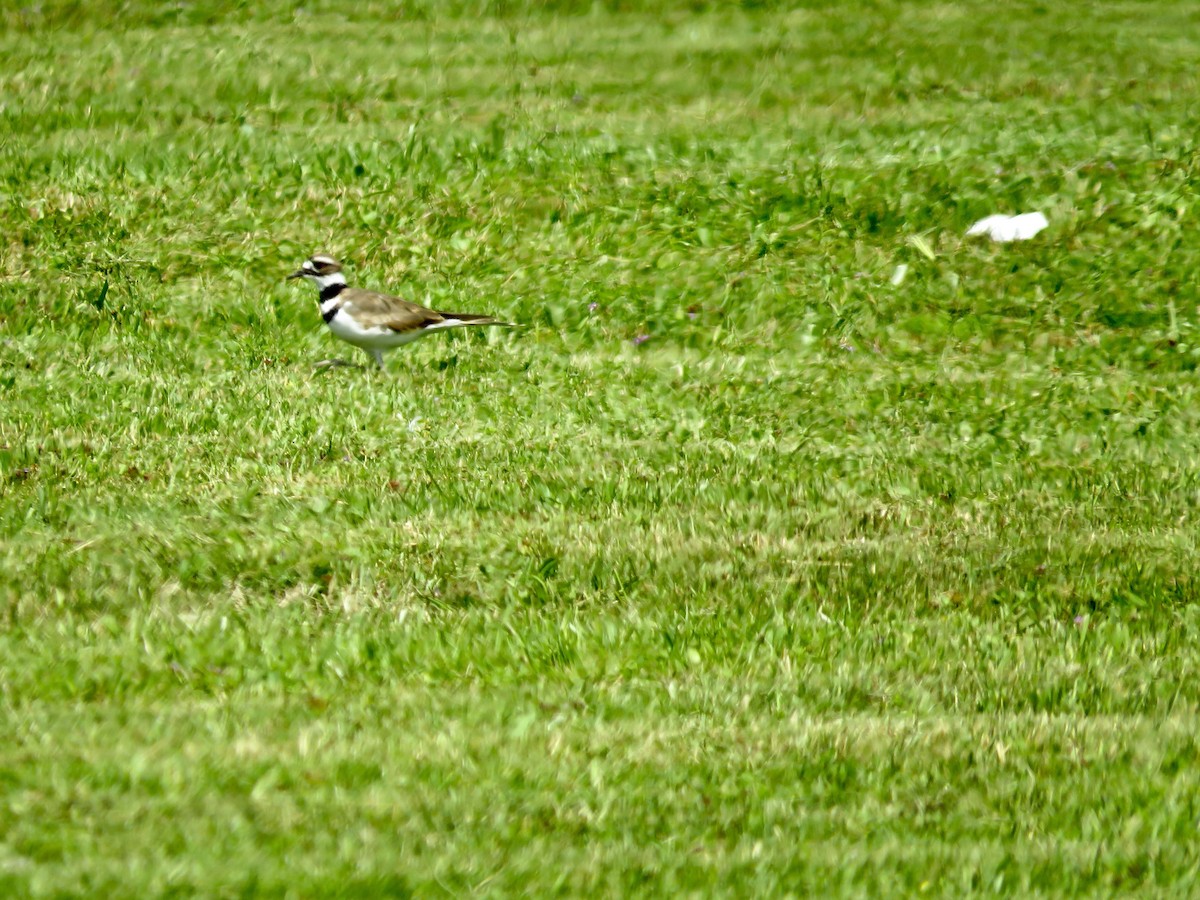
column 473, row 319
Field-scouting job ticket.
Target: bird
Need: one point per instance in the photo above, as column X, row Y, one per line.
column 372, row 321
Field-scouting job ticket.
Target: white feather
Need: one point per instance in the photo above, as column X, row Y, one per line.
column 1009, row 228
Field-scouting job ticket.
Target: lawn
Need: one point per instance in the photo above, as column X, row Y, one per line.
column 796, row 545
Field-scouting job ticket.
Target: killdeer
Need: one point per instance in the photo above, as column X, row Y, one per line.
column 374, row 322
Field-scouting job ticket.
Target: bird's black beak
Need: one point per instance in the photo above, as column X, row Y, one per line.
column 297, row 274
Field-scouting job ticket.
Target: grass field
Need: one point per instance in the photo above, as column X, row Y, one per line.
column 754, row 565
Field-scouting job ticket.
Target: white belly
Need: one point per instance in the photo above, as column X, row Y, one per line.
column 371, row 338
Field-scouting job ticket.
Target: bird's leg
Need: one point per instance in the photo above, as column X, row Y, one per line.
column 377, row 355
column 336, row 364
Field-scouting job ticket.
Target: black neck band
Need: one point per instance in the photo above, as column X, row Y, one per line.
column 332, row 290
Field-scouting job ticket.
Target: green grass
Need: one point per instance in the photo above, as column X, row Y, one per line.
column 741, row 570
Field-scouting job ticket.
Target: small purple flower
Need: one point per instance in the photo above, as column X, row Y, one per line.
column 693, row 315
column 640, row 339
column 592, row 307
column 1079, row 620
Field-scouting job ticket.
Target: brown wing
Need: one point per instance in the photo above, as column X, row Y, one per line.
column 374, row 310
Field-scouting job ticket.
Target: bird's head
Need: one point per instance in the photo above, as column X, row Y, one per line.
column 321, row 269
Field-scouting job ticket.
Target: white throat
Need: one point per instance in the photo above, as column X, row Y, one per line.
column 324, row 281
